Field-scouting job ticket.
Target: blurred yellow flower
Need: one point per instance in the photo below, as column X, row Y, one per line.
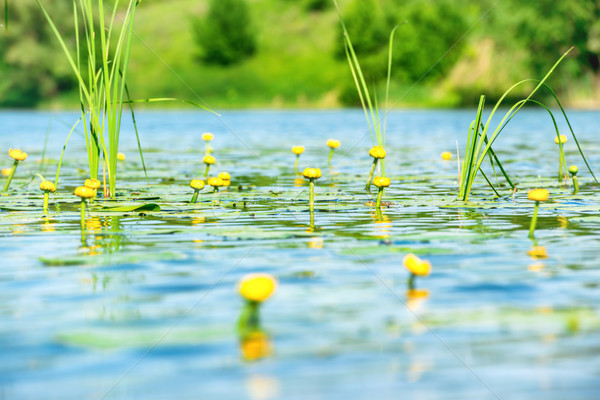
column 312, row 173
column 208, row 160
column 417, row 266
column 84, row 192
column 207, row 136
column 563, row 139
column 381, row 181
column 225, row 176
column 298, row 149
column 197, row 184
column 446, row 155
column 257, row 287
column 17, row 154
column 215, row 182
column 538, row 195
column 121, row 156
column 6, row 171
column 92, row 183
column 333, row 143
column 377, row 152
column 47, row 186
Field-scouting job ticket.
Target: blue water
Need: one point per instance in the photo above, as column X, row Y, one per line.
column 152, row 314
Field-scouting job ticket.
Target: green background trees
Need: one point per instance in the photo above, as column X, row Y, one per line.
column 286, row 53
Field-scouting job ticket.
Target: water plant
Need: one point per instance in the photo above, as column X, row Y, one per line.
column 538, row 252
column 47, row 187
column 573, row 172
column 332, row 144
column 216, row 183
column 381, row 182
column 255, row 289
column 479, row 139
column 416, row 267
column 446, row 155
column 84, row 193
column 378, row 153
column 208, row 160
column 225, row 177
column 297, row 150
column 197, row 185
column 312, row 174
column 121, row 156
column 101, row 73
column 207, row 137
column 18, row 156
column 536, row 195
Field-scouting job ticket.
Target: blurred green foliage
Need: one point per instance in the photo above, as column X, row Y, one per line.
column 225, row 35
column 289, row 53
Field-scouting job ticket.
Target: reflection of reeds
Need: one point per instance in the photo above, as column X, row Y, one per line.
column 479, row 145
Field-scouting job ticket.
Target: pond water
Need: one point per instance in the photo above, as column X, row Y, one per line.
column 144, row 304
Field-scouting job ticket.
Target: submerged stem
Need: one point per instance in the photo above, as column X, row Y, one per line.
column 206, row 170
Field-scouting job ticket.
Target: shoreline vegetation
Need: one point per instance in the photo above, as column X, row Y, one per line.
column 293, row 57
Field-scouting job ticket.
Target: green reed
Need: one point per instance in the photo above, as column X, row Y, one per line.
column 479, row 145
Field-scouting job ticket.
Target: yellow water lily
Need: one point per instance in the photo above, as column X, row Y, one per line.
column 224, row 176
column 538, row 195
column 47, row 187
column 207, row 136
column 297, row 150
column 446, row 155
column 538, row 252
column 17, row 154
column 257, row 287
column 377, row 152
column 563, row 139
column 121, row 156
column 416, row 265
column 332, row 144
column 312, row 173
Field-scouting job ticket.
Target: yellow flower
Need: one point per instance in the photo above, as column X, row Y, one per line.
column 197, row 184
column 257, row 287
column 6, row 171
column 538, row 252
column 573, row 170
column 47, row 186
column 226, row 182
column 17, row 154
column 121, row 156
column 312, row 173
column 225, row 176
column 215, row 182
column 92, row 183
column 377, row 152
column 417, row 266
column 446, row 155
column 538, row 195
column 334, row 144
column 208, row 160
column 563, row 139
column 84, row 192
column 298, row 149
column 207, row 136
column 381, row 181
